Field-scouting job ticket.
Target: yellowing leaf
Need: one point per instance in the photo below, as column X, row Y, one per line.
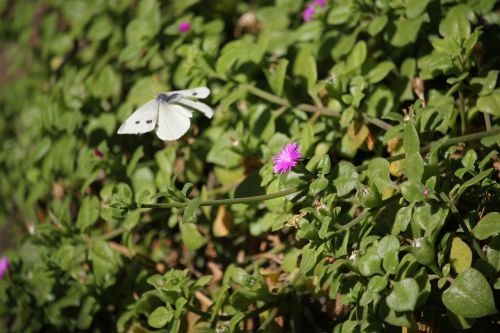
column 460, row 256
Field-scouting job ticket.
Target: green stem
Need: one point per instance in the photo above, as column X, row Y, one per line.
column 110, row 235
column 267, row 96
column 356, row 220
column 487, row 121
column 231, row 201
column 464, row 226
column 444, row 142
column 461, row 108
column 312, row 108
column 258, row 198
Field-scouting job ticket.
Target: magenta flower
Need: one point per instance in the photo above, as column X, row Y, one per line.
column 321, row 3
column 287, row 158
column 184, row 26
column 4, row 266
column 98, row 153
column 308, row 13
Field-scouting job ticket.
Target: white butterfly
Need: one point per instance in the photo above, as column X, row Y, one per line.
column 170, row 111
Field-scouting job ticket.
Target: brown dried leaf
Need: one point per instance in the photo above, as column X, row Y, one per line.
column 223, row 222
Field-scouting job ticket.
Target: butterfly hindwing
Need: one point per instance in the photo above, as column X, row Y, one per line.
column 173, row 121
column 202, row 107
column 142, row 120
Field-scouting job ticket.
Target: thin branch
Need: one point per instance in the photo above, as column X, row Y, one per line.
column 231, row 201
column 444, row 143
column 312, row 108
column 464, row 226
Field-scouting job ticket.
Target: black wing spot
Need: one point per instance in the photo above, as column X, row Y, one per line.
column 149, row 121
column 195, row 93
column 137, row 122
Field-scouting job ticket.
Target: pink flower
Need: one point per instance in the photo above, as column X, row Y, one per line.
column 184, row 26
column 321, row 3
column 98, row 153
column 308, row 13
column 4, row 266
column 287, row 158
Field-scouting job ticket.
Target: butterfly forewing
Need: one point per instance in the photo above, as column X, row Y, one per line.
column 142, row 120
column 173, row 121
column 200, row 92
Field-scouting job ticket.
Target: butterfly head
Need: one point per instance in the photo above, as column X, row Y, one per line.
column 168, row 98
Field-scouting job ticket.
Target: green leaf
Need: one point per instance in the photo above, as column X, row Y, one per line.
column 456, row 25
column 345, row 178
column 377, row 283
column 191, row 237
column 160, row 317
column 407, row 30
column 357, row 56
column 309, row 258
column 387, row 244
column 41, row 149
column 379, row 72
column 369, row 264
column 305, row 66
column 318, row 185
column 276, row 76
column 107, row 83
column 411, row 191
column 414, row 168
column 395, row 318
column 403, row 296
column 340, row 13
column 377, row 24
column 411, row 142
column 488, row 226
column 493, row 253
column 460, row 255
column 87, row 311
column 414, row 8
column 132, row 164
column 390, row 262
column 470, row 295
column 489, row 104
column 487, row 83
column 324, row 165
column 191, row 211
column 104, row 262
column 88, row 212
column 131, row 220
column 403, row 217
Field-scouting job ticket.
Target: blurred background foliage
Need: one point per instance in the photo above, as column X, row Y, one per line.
column 362, row 81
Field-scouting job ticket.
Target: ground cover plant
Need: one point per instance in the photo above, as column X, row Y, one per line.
column 347, row 181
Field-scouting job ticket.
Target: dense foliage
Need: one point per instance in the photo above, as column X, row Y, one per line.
column 389, row 220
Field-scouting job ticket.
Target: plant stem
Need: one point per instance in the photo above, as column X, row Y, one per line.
column 243, row 200
column 444, row 143
column 257, row 198
column 356, row 220
column 312, row 108
column 110, row 235
column 461, row 108
column 464, row 226
column 487, row 121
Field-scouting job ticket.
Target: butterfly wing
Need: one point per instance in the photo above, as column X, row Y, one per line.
column 173, row 121
column 202, row 107
column 142, row 120
column 199, row 92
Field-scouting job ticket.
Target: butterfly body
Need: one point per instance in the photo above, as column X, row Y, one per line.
column 166, row 98
column 170, row 113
